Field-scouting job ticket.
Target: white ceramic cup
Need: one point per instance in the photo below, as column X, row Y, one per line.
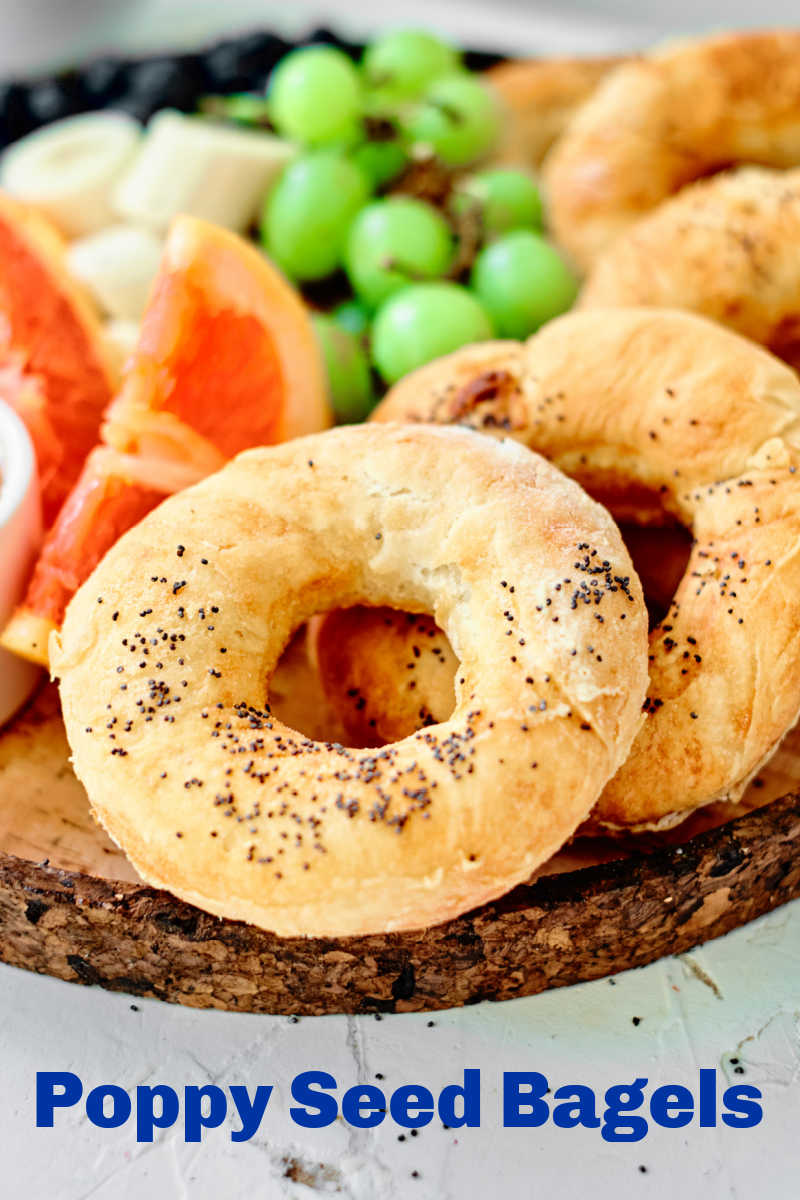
column 20, row 536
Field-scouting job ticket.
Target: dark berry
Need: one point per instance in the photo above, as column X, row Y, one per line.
column 104, row 81
column 481, row 60
column 156, row 83
column 15, row 116
column 52, row 99
column 326, row 37
column 243, row 64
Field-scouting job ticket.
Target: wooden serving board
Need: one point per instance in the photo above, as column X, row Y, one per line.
column 72, row 906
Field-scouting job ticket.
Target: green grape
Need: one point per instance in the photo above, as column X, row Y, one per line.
column 315, row 96
column 352, row 316
column 349, row 377
column 308, row 212
column 399, row 66
column 458, row 118
column 381, row 162
column 522, row 281
column 348, row 140
column 245, row 108
column 505, row 198
column 394, row 242
column 421, row 323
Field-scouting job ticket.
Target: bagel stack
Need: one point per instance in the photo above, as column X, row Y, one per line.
column 663, row 415
column 665, row 120
column 722, row 247
column 676, row 184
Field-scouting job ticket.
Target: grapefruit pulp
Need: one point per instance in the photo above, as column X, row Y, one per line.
column 227, row 359
column 55, row 368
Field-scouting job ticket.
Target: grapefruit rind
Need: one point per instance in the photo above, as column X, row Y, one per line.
column 28, row 636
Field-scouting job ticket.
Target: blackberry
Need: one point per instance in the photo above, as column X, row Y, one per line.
column 243, row 64
column 165, row 82
column 53, row 99
column 482, row 60
column 15, row 116
column 326, row 37
column 104, row 81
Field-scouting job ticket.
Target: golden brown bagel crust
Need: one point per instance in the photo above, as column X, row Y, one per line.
column 667, row 119
column 724, row 247
column 184, row 621
column 539, row 98
column 652, row 409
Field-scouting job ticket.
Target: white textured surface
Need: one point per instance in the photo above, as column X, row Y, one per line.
column 748, row 1007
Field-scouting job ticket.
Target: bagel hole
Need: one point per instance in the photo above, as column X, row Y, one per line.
column 297, row 697
column 660, row 555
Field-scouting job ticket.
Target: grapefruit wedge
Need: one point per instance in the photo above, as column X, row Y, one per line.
column 55, row 366
column 227, row 359
column 114, row 491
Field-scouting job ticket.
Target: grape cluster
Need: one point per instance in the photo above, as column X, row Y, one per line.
column 429, row 268
column 385, row 217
